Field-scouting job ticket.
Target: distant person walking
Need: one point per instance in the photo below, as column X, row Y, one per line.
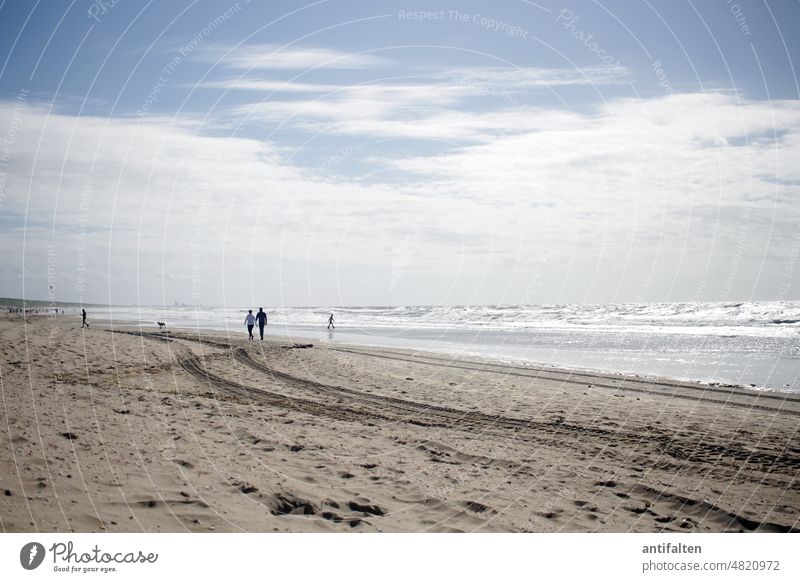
column 250, row 322
column 83, row 315
column 261, row 318
column 330, row 322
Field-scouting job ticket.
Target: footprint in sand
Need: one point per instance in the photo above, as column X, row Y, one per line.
column 288, row 504
column 366, row 508
column 182, row 463
column 477, row 507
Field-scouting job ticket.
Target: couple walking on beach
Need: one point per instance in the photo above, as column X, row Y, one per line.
column 251, row 320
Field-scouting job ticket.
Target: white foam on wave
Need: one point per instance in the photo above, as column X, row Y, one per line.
column 766, row 319
column 739, row 343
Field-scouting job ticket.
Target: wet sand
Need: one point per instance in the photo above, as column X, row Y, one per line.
column 173, row 431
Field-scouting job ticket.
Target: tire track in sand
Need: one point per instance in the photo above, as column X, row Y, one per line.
column 351, row 405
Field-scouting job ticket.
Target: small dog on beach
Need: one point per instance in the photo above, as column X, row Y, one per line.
column 161, row 324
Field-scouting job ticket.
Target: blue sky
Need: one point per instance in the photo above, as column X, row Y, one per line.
column 399, row 153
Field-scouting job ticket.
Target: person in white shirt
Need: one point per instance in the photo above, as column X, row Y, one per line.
column 250, row 321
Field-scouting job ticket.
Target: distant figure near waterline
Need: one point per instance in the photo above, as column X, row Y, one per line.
column 330, row 322
column 261, row 318
column 83, row 315
column 161, row 325
column 250, row 321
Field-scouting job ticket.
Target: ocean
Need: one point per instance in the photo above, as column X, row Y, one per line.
column 750, row 344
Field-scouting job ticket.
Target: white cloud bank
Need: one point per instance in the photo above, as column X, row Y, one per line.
column 682, row 197
column 272, row 56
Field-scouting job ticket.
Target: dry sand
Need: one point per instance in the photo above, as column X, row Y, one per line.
column 171, row 431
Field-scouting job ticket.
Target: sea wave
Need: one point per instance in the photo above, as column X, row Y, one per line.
column 765, row 318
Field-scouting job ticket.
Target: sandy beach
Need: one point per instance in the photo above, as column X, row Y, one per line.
column 123, row 431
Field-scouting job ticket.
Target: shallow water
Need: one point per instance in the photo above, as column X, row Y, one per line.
column 755, row 362
column 754, row 344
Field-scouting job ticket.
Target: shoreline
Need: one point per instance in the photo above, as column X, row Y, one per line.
column 751, row 345
column 514, row 368
column 508, row 360
column 184, row 431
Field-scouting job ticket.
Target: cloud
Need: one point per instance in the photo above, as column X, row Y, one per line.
column 467, row 103
column 277, row 57
column 532, row 205
column 526, row 78
column 268, row 86
column 125, row 201
column 652, row 178
column 433, row 110
column 625, row 136
column 469, row 80
column 366, row 109
column 472, row 104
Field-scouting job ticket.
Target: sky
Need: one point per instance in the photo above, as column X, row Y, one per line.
column 396, row 153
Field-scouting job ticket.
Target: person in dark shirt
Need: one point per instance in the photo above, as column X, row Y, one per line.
column 83, row 314
column 261, row 319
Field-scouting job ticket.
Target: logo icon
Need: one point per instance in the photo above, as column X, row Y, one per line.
column 31, row 555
